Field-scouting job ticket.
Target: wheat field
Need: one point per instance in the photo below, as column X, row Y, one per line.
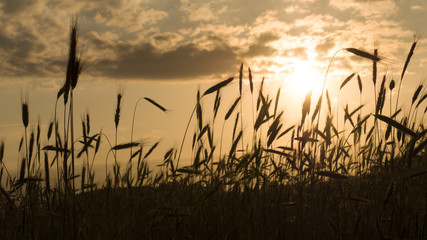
column 341, row 174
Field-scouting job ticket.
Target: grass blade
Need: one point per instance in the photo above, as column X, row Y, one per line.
column 363, row 54
column 151, row 150
column 408, row 58
column 347, row 80
column 125, row 146
column 156, row 104
column 359, row 82
column 218, row 86
column 395, row 124
column 230, row 111
column 241, row 79
column 251, row 84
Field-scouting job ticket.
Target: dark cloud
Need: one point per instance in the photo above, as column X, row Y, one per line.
column 260, row 47
column 109, row 3
column 165, row 41
column 16, row 6
column 97, row 42
column 144, row 61
column 157, row 39
column 20, row 55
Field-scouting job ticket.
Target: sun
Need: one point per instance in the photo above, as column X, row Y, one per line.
column 304, row 77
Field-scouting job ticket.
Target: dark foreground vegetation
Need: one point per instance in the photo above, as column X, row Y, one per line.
column 363, row 178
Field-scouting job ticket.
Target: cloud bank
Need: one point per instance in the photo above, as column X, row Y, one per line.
column 188, row 39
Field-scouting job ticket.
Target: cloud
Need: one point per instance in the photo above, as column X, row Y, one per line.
column 367, row 8
column 325, row 46
column 316, row 24
column 416, row 7
column 299, row 52
column 165, row 41
column 19, row 55
column 130, row 16
column 197, row 11
column 296, row 9
column 11, row 7
column 187, row 61
column 169, row 39
column 167, row 56
column 260, row 46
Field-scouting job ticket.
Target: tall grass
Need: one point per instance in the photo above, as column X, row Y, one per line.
column 346, row 180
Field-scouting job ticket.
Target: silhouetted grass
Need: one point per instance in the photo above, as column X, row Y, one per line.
column 348, row 181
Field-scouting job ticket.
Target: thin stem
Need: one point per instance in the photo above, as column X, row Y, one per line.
column 183, row 138
column 26, row 154
column 220, row 146
column 338, row 103
column 66, row 149
column 72, row 164
column 115, row 157
column 56, row 146
column 131, row 132
column 398, row 94
column 253, row 123
column 324, row 83
column 241, row 120
column 72, row 139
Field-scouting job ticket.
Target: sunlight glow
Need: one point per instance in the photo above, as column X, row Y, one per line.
column 303, row 78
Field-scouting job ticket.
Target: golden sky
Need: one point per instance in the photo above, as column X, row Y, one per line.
column 168, row 49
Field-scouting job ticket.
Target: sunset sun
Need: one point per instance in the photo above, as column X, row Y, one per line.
column 303, row 78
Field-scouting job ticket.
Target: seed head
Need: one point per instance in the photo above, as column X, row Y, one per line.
column 25, row 114
column 1, row 151
column 392, row 84
column 363, row 54
column 117, row 115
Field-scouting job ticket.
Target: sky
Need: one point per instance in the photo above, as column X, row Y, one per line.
column 167, row 50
